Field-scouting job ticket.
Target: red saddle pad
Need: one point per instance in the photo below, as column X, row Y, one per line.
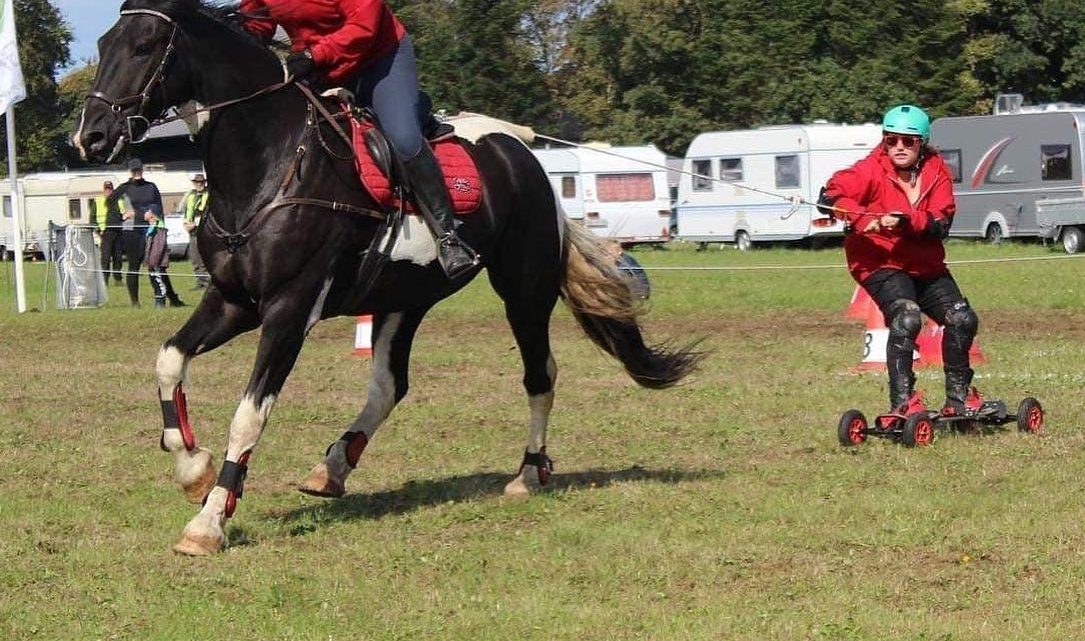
column 461, row 174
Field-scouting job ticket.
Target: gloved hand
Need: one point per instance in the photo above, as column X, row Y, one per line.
column 300, row 64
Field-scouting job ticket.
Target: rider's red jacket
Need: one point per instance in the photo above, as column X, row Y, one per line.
column 345, row 36
column 868, row 189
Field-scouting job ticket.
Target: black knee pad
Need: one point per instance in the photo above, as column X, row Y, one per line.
column 905, row 319
column 962, row 320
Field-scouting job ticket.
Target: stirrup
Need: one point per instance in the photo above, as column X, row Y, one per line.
column 455, row 269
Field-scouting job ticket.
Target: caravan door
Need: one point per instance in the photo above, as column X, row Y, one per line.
column 563, row 169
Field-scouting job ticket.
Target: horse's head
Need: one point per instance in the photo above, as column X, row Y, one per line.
column 152, row 59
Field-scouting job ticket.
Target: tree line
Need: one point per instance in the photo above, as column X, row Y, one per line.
column 662, row 71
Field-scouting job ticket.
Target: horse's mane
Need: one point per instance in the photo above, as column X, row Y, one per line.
column 225, row 14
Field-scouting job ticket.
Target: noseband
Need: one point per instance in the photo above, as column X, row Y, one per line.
column 143, row 97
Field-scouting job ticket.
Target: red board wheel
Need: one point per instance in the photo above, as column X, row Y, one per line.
column 852, row 428
column 918, row 430
column 1030, row 416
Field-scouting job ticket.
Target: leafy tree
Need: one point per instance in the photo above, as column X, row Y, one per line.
column 1032, row 47
column 39, row 120
column 473, row 57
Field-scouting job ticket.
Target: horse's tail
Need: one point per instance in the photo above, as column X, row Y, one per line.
column 604, row 304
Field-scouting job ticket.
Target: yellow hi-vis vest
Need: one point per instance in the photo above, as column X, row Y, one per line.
column 195, row 205
column 100, row 212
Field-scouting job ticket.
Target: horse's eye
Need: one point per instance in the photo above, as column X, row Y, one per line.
column 145, row 49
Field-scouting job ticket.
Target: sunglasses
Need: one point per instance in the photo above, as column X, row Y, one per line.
column 905, row 141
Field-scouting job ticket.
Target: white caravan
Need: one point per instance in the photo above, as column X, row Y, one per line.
column 781, row 162
column 618, row 192
column 64, row 198
column 1005, row 163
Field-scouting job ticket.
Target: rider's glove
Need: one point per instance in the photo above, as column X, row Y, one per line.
column 300, row 64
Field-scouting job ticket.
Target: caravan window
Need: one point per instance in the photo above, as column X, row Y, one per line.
column 75, row 210
column 1055, row 162
column 952, row 158
column 614, row 188
column 702, row 181
column 568, row 187
column 7, row 207
column 787, row 171
column 731, row 169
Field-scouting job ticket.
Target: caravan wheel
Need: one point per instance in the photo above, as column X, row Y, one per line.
column 1073, row 239
column 743, row 242
column 993, row 234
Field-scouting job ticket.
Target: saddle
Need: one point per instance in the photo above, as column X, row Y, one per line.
column 381, row 172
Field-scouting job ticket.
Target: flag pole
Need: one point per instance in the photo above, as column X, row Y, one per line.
column 16, row 213
column 12, row 90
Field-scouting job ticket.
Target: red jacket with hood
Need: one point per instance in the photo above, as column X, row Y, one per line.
column 344, row 36
column 867, row 190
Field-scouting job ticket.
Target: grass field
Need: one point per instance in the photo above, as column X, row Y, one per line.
column 721, row 509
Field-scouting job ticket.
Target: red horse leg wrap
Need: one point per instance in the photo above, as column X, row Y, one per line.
column 232, row 477
column 356, row 442
column 187, row 435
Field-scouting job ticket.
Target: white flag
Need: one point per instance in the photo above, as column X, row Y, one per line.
column 12, row 88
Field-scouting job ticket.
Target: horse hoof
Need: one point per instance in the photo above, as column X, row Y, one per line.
column 318, row 483
column 198, row 490
column 199, row 545
column 517, row 488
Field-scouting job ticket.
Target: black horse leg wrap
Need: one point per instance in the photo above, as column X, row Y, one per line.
column 538, row 459
column 232, row 477
column 170, row 421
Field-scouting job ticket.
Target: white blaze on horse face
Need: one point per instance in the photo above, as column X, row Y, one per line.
column 248, row 424
column 415, row 243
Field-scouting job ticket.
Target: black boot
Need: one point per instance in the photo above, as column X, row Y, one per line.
column 901, row 380
column 429, row 193
column 958, row 383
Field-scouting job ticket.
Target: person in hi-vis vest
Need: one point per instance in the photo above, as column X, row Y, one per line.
column 193, row 206
column 108, row 217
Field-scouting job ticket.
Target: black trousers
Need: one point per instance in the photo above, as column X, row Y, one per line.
column 112, row 255
column 936, row 298
column 134, row 248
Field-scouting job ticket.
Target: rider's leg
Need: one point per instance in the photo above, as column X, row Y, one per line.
column 943, row 301
column 905, row 322
column 390, row 87
column 895, row 293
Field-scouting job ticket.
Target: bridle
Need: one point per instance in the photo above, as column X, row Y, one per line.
column 143, row 97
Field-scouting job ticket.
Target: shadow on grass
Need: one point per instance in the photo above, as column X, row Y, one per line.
column 415, row 494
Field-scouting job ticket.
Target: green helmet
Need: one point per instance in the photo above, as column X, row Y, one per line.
column 909, row 120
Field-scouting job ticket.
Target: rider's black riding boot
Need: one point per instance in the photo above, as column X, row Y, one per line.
column 958, row 382
column 901, row 378
column 427, row 185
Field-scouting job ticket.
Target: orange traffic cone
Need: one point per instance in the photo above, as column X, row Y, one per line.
column 860, row 305
column 363, row 336
column 929, row 344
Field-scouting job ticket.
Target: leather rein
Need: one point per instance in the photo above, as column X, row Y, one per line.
column 317, row 113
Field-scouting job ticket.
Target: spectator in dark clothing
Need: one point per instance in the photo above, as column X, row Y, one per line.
column 108, row 217
column 142, row 197
column 158, row 261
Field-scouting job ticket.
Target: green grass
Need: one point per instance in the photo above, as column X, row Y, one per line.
column 721, row 509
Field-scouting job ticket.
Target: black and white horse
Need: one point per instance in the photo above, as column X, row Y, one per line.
column 287, row 239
